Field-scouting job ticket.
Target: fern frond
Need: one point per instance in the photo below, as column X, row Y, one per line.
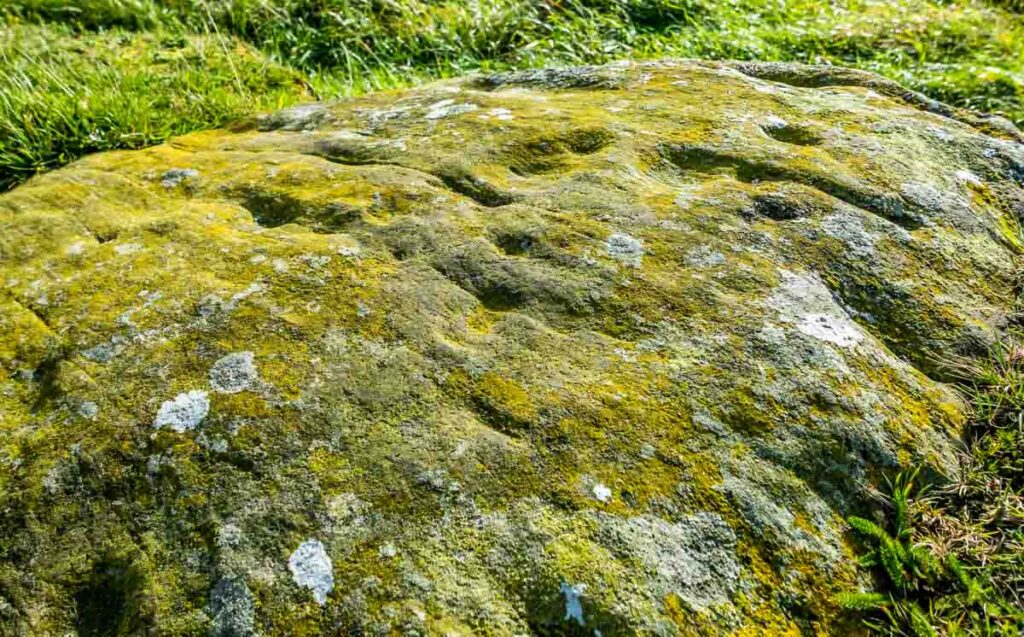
column 975, row 591
column 923, row 564
column 893, row 558
column 869, row 529
column 920, row 622
column 901, row 506
column 902, row 487
column 863, row 601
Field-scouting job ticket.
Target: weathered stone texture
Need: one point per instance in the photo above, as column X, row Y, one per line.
column 608, row 350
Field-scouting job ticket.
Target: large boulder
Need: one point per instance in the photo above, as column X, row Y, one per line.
column 589, row 351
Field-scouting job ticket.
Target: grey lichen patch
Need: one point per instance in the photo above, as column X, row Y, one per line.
column 176, row 176
column 103, row 352
column 704, row 257
column 311, row 568
column 232, row 610
column 625, row 248
column 125, row 249
column 770, row 501
column 88, row 409
column 804, row 302
column 184, row 412
column 609, row 76
column 694, row 558
column 234, row 373
column 212, row 305
column 939, row 202
column 297, row 118
column 849, row 229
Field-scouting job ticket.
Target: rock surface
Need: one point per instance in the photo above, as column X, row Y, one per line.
column 591, row 351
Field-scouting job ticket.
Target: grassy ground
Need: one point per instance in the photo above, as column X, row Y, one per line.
column 62, row 96
column 84, row 75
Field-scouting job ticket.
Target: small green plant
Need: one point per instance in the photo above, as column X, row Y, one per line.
column 912, row 573
column 952, row 562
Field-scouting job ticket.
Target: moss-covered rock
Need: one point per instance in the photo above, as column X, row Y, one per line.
column 590, row 351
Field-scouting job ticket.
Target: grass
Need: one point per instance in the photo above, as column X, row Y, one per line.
column 78, row 76
column 62, row 96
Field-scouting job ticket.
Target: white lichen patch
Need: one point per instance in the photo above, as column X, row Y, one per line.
column 502, row 114
column 573, row 594
column 827, row 327
column 803, row 301
column 625, row 248
column 774, row 122
column 254, row 288
column 184, row 412
column 125, row 249
column 968, row 178
column 602, row 493
column 311, row 568
column 448, row 108
column 351, row 251
column 234, row 373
